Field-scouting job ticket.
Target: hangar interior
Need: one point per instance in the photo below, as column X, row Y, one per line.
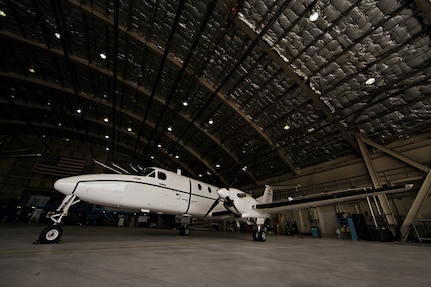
column 313, row 95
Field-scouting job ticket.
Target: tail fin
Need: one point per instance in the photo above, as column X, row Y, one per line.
column 267, row 196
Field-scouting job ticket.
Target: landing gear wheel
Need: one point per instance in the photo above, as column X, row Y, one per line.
column 262, row 236
column 184, row 231
column 255, row 235
column 51, row 234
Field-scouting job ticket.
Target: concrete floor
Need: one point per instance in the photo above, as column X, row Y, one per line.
column 124, row 256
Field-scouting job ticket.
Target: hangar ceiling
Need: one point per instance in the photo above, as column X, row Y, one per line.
column 212, row 86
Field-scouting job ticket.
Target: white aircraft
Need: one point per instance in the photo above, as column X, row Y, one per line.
column 161, row 191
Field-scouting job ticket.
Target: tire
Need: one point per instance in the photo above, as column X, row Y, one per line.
column 51, row 234
column 262, row 236
column 255, row 235
column 186, row 231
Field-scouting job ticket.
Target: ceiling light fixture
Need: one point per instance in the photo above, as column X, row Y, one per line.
column 106, row 137
column 106, row 119
column 211, row 122
column 2, row 13
column 314, row 16
column 370, row 81
column 102, row 56
column 129, row 129
column 169, row 129
column 286, row 127
column 32, row 70
column 57, row 35
column 185, row 104
column 78, row 110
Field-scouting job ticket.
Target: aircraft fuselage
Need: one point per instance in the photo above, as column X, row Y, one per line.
column 157, row 191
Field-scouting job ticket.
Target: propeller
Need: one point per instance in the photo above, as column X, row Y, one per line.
column 215, row 203
column 228, row 203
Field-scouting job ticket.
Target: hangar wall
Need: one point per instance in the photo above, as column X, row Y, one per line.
column 18, row 159
column 351, row 171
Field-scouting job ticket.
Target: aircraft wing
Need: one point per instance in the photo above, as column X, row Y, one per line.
column 326, row 199
column 222, row 213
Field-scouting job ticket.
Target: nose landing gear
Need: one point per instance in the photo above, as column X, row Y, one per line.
column 53, row 233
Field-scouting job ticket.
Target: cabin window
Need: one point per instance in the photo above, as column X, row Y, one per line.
column 161, row 175
column 199, row 186
column 209, row 189
column 150, row 172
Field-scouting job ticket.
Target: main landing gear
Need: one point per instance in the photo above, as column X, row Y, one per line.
column 53, row 233
column 184, row 231
column 259, row 234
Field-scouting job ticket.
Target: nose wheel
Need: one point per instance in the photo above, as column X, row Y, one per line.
column 51, row 234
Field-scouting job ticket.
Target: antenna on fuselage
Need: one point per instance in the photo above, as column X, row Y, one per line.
column 133, row 168
column 120, row 168
column 106, row 166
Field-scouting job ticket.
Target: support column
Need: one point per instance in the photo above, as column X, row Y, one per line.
column 420, row 198
column 376, row 182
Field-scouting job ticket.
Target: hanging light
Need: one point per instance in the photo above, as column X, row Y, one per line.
column 314, row 16
column 370, row 81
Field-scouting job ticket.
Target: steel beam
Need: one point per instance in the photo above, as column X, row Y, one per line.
column 396, row 155
column 417, row 203
column 376, row 182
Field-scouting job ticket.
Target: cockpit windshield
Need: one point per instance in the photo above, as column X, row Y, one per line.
column 149, row 171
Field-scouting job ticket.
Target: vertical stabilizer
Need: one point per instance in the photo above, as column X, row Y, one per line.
column 268, row 195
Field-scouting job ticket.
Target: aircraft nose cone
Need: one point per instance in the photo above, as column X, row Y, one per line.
column 65, row 185
column 223, row 193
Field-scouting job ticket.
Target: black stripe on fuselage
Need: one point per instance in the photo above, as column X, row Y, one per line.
column 190, row 196
column 190, row 193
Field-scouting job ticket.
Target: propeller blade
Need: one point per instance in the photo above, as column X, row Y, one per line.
column 215, row 203
column 229, row 203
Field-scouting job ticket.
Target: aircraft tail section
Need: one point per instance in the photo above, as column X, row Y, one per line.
column 267, row 196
